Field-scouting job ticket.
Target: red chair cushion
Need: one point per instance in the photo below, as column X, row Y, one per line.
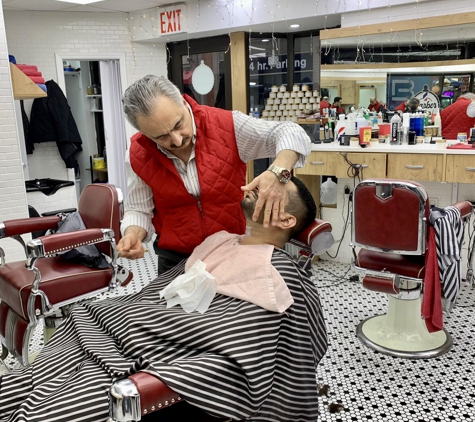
column 60, row 279
column 404, row 265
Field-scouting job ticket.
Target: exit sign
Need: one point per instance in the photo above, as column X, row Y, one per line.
column 171, row 20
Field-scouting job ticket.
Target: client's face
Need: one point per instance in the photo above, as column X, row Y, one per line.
column 248, row 205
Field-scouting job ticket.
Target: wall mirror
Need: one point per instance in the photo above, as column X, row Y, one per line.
column 394, row 62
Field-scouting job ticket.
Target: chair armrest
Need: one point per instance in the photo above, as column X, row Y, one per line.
column 21, row 226
column 61, row 242
column 139, row 395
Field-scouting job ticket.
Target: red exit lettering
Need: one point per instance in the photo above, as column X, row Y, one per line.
column 170, row 21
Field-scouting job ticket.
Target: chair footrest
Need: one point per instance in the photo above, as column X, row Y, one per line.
column 380, row 283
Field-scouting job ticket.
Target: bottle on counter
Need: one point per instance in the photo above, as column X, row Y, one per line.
column 438, row 122
column 339, row 128
column 395, row 126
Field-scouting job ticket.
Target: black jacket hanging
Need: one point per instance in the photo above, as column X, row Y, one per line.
column 51, row 120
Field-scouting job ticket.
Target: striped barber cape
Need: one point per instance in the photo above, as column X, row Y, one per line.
column 236, row 360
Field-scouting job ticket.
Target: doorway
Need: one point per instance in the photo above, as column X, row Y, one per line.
column 100, row 110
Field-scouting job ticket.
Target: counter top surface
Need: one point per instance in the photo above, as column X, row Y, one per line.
column 386, row 148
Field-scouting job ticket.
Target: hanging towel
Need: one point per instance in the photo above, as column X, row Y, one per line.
column 449, row 237
column 431, row 308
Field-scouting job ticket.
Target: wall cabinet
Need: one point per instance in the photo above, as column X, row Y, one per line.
column 460, row 168
column 334, row 164
column 319, row 164
column 370, row 165
column 424, row 167
column 421, row 167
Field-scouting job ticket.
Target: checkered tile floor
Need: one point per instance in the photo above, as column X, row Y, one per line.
column 368, row 385
column 375, row 387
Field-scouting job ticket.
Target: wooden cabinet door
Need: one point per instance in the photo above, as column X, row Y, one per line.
column 319, row 164
column 460, row 168
column 372, row 165
column 421, row 167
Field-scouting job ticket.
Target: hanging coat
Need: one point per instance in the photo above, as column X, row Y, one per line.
column 51, row 120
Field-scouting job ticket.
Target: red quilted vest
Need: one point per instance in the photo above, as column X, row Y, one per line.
column 454, row 119
column 181, row 221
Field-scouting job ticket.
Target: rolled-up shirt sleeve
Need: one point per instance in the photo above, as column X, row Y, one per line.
column 139, row 205
column 257, row 138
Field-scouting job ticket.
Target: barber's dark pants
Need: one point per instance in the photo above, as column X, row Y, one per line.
column 167, row 259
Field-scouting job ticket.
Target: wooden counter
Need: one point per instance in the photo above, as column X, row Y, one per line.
column 422, row 162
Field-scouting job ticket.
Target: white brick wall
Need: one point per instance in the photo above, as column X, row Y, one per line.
column 12, row 193
column 34, row 38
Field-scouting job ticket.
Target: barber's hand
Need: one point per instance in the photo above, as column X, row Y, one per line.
column 272, row 197
column 130, row 247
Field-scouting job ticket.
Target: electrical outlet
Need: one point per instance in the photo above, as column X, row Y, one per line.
column 434, row 202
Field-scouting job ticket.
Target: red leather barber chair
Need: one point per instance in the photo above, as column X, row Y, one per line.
column 390, row 222
column 46, row 285
column 142, row 394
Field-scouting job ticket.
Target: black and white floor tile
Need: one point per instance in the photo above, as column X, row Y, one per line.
column 370, row 386
column 375, row 387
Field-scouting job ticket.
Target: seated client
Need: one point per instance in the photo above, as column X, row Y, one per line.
column 251, row 355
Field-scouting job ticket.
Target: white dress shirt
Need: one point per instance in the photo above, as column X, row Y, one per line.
column 255, row 139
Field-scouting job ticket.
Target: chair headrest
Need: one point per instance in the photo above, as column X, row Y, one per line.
column 317, row 237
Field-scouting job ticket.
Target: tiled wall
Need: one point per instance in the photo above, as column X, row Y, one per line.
column 12, row 193
column 34, row 38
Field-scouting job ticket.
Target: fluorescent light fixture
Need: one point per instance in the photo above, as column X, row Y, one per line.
column 82, row 2
column 295, row 25
column 252, row 83
column 265, row 40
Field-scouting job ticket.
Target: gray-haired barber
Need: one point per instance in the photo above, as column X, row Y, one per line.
column 187, row 170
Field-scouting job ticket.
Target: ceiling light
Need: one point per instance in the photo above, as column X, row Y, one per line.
column 295, row 25
column 80, row 1
column 265, row 40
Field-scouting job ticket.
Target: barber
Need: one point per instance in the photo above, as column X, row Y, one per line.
column 374, row 105
column 187, row 169
column 459, row 116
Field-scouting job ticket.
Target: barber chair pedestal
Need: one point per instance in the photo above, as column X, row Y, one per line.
column 402, row 332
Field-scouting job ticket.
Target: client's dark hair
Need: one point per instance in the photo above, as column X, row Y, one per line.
column 302, row 206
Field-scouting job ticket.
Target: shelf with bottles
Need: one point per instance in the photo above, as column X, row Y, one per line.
column 96, row 102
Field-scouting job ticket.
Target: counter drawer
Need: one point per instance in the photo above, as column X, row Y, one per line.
column 460, row 168
column 373, row 165
column 319, row 164
column 421, row 167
